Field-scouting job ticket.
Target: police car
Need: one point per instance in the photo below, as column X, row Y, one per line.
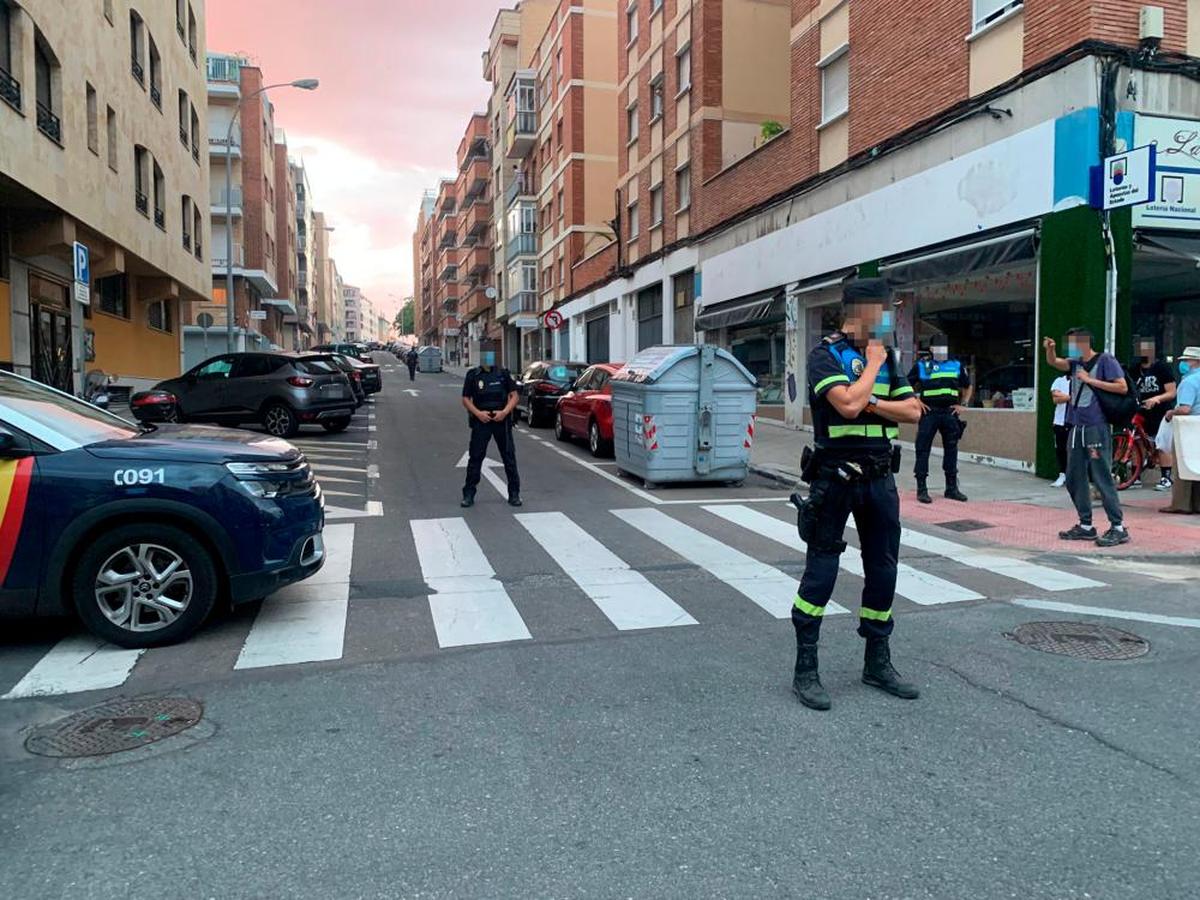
column 140, row 532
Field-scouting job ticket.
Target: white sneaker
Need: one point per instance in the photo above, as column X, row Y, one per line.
column 1164, row 484
column 1060, row 480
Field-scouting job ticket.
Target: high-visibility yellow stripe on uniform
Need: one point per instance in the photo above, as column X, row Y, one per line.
column 840, row 431
column 933, row 375
column 903, row 391
column 832, row 379
column 881, row 390
column 875, row 615
column 808, row 609
column 941, row 392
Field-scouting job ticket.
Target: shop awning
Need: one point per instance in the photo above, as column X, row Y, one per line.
column 762, row 307
column 962, row 259
column 1185, row 246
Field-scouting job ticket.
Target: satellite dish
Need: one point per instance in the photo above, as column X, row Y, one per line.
column 490, row 293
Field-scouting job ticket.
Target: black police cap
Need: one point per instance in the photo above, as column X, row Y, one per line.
column 867, row 290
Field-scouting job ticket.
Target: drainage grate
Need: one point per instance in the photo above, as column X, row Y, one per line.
column 115, row 725
column 1080, row 640
column 964, row 525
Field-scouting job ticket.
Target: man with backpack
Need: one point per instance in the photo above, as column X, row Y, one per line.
column 1089, row 443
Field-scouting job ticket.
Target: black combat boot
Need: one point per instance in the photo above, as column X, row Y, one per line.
column 878, row 671
column 952, row 491
column 923, row 491
column 468, row 499
column 806, row 683
column 515, row 500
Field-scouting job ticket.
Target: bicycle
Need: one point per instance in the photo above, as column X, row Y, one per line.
column 1134, row 451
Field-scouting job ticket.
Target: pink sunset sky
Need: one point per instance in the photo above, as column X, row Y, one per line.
column 399, row 78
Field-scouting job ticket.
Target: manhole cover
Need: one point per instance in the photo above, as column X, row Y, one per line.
column 120, row 724
column 964, row 525
column 1079, row 639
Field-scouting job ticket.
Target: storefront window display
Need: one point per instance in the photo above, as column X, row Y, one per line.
column 760, row 348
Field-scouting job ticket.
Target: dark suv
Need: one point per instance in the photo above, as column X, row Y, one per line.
column 358, row 351
column 540, row 387
column 280, row 390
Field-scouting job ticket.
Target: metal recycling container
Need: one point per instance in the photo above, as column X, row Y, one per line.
column 429, row 359
column 684, row 413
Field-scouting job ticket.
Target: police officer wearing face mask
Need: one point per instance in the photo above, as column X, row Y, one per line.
column 490, row 395
column 944, row 388
column 857, row 396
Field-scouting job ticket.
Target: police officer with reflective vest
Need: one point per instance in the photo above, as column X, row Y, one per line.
column 490, row 395
column 944, row 388
column 857, row 397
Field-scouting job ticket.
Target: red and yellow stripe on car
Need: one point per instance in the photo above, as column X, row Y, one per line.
column 15, row 476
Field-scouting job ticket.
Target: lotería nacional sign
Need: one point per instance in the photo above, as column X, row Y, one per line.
column 1177, row 189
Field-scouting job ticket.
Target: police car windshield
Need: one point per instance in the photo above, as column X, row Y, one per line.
column 57, row 418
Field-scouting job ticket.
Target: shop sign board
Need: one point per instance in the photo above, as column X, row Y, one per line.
column 1125, row 179
column 1176, row 203
column 258, row 315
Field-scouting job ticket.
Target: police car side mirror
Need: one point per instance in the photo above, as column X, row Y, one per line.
column 9, row 448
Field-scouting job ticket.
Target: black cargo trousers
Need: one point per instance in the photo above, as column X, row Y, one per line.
column 875, row 505
column 501, row 433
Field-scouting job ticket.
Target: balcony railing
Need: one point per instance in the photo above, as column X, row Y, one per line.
column 187, row 241
column 182, row 32
column 520, row 245
column 183, row 136
column 196, row 152
column 10, row 90
column 219, row 141
column 139, row 72
column 48, row 123
column 199, row 250
column 518, row 187
column 160, row 218
column 217, row 197
column 142, row 202
column 224, row 68
column 156, row 96
column 220, row 262
column 523, row 302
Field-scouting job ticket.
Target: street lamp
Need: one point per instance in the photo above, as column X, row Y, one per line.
column 305, row 84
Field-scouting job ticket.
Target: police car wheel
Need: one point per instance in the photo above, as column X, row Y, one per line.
column 144, row 585
column 280, row 421
column 334, row 425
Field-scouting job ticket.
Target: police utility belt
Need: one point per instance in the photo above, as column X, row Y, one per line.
column 821, row 463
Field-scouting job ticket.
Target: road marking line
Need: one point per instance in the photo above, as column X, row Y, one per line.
column 487, row 471
column 322, row 467
column 76, row 663
column 372, row 445
column 305, row 622
column 626, row 597
column 317, row 442
column 329, row 478
column 469, row 606
column 373, row 470
column 919, row 587
column 373, row 509
column 1018, row 569
column 329, row 493
column 608, row 476
column 767, row 587
column 1105, row 612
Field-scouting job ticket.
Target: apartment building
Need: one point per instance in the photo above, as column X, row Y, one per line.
column 285, row 304
column 515, row 32
column 306, row 308
column 445, row 307
column 475, row 200
column 423, row 322
column 361, row 321
column 326, row 325
column 101, row 123
column 561, row 107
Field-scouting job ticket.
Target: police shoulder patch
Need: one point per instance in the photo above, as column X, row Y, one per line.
column 856, row 366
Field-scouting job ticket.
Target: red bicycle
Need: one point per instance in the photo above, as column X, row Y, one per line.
column 1133, row 452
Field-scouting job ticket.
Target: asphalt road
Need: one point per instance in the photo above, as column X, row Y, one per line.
column 589, row 697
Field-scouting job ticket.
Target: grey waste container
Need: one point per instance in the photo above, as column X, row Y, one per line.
column 429, row 359
column 684, row 414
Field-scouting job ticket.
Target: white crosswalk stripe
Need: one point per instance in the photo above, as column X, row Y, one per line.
column 768, row 587
column 626, row 597
column 77, row 663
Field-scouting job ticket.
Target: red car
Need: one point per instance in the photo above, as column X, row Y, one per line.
column 586, row 410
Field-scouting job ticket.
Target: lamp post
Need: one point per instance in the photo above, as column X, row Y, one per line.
column 305, row 84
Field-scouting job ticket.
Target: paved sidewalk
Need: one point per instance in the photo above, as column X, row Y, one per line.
column 1013, row 508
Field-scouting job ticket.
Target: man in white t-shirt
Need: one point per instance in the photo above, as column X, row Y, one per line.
column 1060, row 392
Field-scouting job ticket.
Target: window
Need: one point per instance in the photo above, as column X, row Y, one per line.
column 184, row 122
column 558, row 64
column 683, row 188
column 137, row 66
column 216, row 370
column 656, row 206
column 195, row 135
column 46, row 77
column 631, row 122
column 649, row 316
column 986, row 11
column 160, row 317
column 160, row 192
column 140, row 177
column 559, row 133
column 6, row 44
column 256, row 366
column 155, row 76
column 112, row 297
column 562, row 207
column 656, row 99
column 180, row 23
column 185, row 221
column 683, row 69
column 192, row 34
column 562, row 273
column 835, row 84
column 631, row 21
column 93, row 120
column 683, row 286
column 112, row 139
column 633, row 221
column 108, row 11
column 197, row 232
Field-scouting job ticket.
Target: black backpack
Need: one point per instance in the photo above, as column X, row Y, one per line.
column 1118, row 409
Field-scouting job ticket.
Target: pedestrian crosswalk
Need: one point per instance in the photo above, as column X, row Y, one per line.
column 640, row 568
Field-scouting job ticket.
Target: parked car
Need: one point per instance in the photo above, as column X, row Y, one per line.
column 154, row 406
column 585, row 411
column 140, row 532
column 353, row 375
column 540, row 387
column 280, row 390
column 372, row 380
column 357, row 351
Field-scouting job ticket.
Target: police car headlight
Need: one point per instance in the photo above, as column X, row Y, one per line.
column 258, row 469
column 267, row 490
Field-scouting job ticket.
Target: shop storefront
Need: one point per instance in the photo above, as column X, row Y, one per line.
column 753, row 329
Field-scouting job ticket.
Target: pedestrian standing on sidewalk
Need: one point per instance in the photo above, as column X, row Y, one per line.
column 1156, row 387
column 1089, row 444
column 490, row 395
column 856, row 401
column 1060, row 393
column 1187, row 404
column 944, row 389
column 410, row 360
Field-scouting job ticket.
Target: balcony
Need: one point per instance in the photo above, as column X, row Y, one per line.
column 10, row 90
column 476, row 220
column 218, row 206
column 520, row 245
column 478, row 261
column 160, row 218
column 522, row 302
column 447, row 234
column 474, row 144
column 476, row 176
column 521, row 104
column 48, row 123
column 220, row 263
column 217, row 142
column 449, row 273
column 183, row 136
column 139, row 72
column 156, row 96
column 142, row 202
column 475, row 301
column 519, row 187
column 224, row 76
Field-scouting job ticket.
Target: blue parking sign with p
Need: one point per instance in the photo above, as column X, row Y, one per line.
column 82, row 265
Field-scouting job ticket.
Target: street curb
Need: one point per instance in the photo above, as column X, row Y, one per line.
column 776, row 476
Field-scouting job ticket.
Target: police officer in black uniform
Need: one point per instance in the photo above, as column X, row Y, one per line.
column 489, row 396
column 856, row 403
column 944, row 388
